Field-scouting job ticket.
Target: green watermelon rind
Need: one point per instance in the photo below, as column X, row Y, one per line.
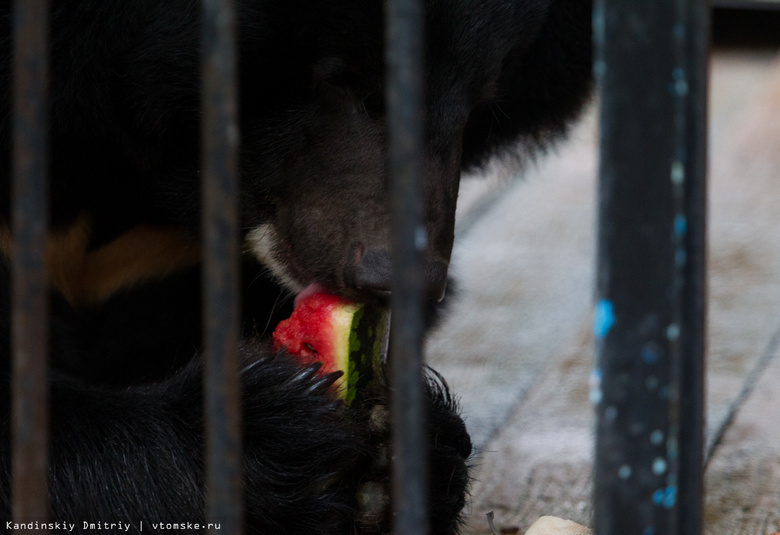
column 367, row 347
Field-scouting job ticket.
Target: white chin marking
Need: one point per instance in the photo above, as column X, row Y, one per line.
column 262, row 242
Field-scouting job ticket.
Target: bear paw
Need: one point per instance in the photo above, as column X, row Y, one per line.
column 449, row 448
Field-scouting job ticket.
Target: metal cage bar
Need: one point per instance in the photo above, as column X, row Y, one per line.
column 404, row 53
column 650, row 315
column 221, row 267
column 29, row 339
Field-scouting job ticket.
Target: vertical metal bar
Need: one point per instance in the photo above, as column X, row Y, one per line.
column 694, row 57
column 649, row 321
column 30, row 440
column 220, row 266
column 405, row 84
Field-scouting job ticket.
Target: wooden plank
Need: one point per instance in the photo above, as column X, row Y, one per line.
column 541, row 461
column 743, row 479
column 744, row 228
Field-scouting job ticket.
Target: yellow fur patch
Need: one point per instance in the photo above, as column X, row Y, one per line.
column 89, row 277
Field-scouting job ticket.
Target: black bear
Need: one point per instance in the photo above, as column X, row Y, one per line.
column 124, row 257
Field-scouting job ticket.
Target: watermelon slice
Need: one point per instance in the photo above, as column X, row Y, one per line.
column 343, row 335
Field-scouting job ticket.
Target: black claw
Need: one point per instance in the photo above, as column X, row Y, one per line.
column 254, row 363
column 254, row 358
column 325, row 382
column 308, row 372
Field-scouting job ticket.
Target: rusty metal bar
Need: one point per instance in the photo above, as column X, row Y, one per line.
column 221, row 267
column 650, row 316
column 29, row 339
column 404, row 44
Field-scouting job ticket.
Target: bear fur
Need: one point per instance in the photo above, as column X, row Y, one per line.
column 124, row 246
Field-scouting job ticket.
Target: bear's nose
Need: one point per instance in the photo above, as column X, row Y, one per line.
column 373, row 273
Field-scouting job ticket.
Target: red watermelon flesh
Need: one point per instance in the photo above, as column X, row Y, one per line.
column 318, row 330
column 341, row 334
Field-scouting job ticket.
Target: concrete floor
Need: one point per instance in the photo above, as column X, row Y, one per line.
column 517, row 345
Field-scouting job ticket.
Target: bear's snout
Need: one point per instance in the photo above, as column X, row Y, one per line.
column 373, row 274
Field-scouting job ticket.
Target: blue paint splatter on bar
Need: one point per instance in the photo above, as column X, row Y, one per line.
column 680, row 225
column 604, row 318
column 666, row 498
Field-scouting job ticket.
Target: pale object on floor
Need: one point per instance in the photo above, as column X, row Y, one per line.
column 551, row 525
